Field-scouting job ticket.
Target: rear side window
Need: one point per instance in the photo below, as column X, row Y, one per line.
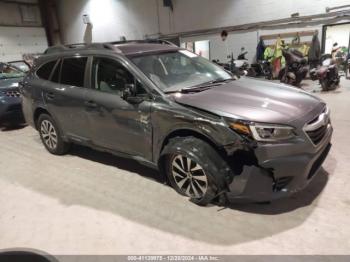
column 73, row 71
column 44, row 71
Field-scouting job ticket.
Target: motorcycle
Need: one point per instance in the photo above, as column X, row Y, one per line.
column 261, row 68
column 296, row 68
column 238, row 67
column 327, row 74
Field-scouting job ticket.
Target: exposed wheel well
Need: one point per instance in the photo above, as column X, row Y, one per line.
column 186, row 133
column 39, row 111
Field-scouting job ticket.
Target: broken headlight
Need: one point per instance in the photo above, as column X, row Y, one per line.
column 263, row 132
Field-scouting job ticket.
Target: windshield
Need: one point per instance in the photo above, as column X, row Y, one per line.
column 7, row 71
column 179, row 70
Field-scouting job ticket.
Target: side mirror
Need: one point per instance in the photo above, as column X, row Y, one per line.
column 129, row 94
column 135, row 100
column 129, row 90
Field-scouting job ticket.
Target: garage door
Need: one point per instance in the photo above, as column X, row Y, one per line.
column 16, row 41
column 337, row 34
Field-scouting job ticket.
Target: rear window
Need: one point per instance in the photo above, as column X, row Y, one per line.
column 44, row 71
column 73, row 71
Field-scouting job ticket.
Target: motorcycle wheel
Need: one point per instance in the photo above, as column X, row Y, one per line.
column 325, row 85
column 252, row 72
column 298, row 80
column 268, row 75
column 281, row 75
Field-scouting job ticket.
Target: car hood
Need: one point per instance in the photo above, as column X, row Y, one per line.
column 253, row 100
column 9, row 83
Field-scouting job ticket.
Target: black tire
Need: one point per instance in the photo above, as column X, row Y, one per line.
column 252, row 72
column 202, row 155
column 298, row 80
column 281, row 74
column 325, row 85
column 60, row 147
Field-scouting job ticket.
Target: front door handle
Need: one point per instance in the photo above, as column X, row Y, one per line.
column 50, row 96
column 91, row 104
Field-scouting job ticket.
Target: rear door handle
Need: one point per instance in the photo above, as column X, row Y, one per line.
column 50, row 96
column 91, row 104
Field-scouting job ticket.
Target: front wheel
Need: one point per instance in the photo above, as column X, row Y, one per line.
column 51, row 135
column 194, row 169
column 325, row 85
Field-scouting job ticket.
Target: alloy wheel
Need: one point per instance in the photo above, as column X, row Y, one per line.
column 189, row 176
column 49, row 134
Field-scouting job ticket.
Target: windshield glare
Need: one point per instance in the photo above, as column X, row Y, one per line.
column 20, row 65
column 179, row 70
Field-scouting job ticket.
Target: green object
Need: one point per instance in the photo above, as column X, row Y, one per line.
column 268, row 54
column 279, row 45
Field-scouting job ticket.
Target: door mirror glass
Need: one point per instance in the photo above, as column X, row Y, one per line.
column 135, row 99
column 129, row 94
column 129, row 91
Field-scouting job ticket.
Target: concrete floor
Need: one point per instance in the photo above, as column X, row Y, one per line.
column 89, row 202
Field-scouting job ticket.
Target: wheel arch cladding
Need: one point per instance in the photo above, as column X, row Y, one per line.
column 222, row 174
column 184, row 133
column 39, row 111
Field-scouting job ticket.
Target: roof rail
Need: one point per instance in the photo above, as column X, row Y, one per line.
column 62, row 48
column 144, row 41
column 70, row 47
column 109, row 45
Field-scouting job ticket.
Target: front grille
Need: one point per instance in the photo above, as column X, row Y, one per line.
column 281, row 183
column 317, row 128
column 317, row 135
column 17, row 107
column 12, row 93
column 318, row 163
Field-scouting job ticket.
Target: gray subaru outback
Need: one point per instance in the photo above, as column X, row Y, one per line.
column 209, row 134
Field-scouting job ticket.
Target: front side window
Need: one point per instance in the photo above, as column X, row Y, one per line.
column 110, row 76
column 173, row 71
column 73, row 71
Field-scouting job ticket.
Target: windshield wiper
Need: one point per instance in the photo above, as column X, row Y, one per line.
column 201, row 87
column 189, row 90
column 213, row 82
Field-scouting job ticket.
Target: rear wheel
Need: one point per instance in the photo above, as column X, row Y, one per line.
column 325, row 85
column 282, row 75
column 194, row 169
column 51, row 136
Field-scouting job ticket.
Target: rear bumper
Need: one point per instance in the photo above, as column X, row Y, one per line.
column 279, row 177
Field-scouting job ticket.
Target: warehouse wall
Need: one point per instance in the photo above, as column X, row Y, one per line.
column 202, row 14
column 137, row 18
column 111, row 19
column 249, row 40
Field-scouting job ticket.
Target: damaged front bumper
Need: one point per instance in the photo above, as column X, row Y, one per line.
column 280, row 170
